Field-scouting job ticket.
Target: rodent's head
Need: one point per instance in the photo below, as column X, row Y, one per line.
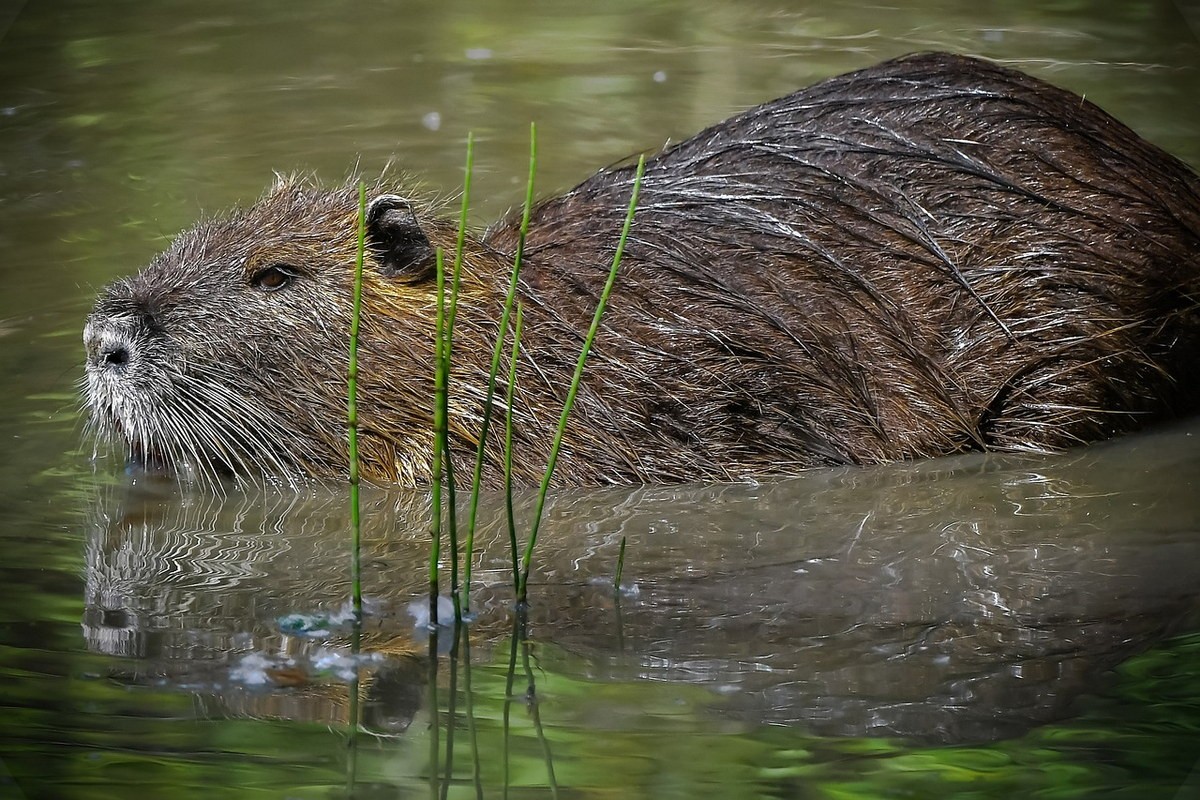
column 228, row 354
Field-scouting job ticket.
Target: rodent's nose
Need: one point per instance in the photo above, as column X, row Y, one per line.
column 107, row 349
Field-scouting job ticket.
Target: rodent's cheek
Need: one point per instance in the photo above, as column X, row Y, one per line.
column 308, row 307
column 152, row 372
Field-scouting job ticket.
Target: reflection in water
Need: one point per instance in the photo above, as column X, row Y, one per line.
column 954, row 600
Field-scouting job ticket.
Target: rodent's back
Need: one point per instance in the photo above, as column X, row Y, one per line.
column 930, row 255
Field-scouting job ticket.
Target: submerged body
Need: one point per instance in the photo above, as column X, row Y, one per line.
column 932, row 255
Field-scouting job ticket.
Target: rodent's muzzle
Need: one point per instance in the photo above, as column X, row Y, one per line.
column 121, row 332
column 110, row 349
column 123, row 365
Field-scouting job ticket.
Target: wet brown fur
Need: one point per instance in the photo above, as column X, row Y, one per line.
column 929, row 256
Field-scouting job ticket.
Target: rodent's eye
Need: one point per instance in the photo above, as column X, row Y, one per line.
column 273, row 278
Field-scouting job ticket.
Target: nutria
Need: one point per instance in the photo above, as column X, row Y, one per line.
column 932, row 255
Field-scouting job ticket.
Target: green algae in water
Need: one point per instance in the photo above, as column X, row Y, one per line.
column 1141, row 739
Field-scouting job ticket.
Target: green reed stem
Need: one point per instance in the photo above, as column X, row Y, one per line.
column 435, row 722
column 620, row 567
column 535, row 715
column 355, row 711
column 522, row 589
column 508, row 443
column 460, row 242
column 451, row 710
column 352, row 412
column 472, row 727
column 355, row 506
column 452, row 314
column 497, row 350
column 440, row 435
column 510, row 680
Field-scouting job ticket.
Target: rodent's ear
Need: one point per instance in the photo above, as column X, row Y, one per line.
column 396, row 239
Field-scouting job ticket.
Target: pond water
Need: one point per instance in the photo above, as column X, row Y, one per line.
column 967, row 627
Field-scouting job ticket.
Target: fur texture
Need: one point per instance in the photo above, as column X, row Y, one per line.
column 932, row 255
